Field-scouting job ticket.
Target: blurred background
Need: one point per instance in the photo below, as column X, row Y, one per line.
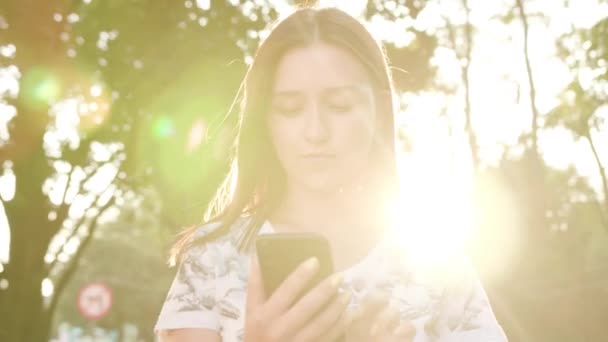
column 113, row 137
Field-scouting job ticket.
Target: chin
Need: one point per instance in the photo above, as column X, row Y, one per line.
column 319, row 183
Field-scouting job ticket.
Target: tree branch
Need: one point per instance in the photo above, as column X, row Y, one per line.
column 600, row 166
column 467, row 87
column 74, row 262
column 64, row 213
column 466, row 79
column 74, row 232
column 535, row 115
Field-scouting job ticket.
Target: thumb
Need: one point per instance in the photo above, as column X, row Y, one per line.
column 255, row 286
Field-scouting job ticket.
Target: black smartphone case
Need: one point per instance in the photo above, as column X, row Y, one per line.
column 280, row 254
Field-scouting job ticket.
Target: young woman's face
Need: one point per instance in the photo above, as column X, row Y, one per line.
column 322, row 117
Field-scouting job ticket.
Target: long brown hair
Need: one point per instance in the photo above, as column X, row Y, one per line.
column 255, row 182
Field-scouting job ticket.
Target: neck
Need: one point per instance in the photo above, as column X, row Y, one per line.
column 350, row 220
column 328, row 213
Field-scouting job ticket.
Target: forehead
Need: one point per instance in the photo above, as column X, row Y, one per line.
column 316, row 67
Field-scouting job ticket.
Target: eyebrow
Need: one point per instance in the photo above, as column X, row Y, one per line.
column 352, row 87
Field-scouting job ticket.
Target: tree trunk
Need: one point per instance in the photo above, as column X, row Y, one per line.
column 22, row 313
column 36, row 37
column 600, row 166
column 467, row 89
column 533, row 107
column 536, row 167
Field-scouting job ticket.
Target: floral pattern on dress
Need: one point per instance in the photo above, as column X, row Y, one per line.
column 210, row 286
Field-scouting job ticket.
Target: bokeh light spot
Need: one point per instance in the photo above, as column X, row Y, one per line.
column 41, row 87
column 196, row 136
column 163, row 127
column 96, row 90
column 47, row 287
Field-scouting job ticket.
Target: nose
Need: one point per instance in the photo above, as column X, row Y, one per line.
column 316, row 130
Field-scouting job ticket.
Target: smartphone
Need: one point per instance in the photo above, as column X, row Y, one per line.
column 281, row 253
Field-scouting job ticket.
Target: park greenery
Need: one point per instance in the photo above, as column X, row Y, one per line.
column 115, row 130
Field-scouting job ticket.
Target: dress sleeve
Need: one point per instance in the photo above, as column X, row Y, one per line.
column 192, row 298
column 468, row 315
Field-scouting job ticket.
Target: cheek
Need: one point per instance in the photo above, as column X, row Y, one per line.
column 356, row 133
column 280, row 138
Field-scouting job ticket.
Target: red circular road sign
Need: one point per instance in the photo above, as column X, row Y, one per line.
column 94, row 300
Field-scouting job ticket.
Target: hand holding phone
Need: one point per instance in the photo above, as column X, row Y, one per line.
column 377, row 320
column 296, row 309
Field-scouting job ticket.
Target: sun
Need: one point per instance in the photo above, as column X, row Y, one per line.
column 432, row 219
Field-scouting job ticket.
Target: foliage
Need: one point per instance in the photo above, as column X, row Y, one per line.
column 115, row 99
column 136, row 272
column 108, row 93
column 120, row 138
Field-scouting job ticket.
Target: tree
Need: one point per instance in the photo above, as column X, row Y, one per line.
column 410, row 62
column 554, row 281
column 585, row 97
column 136, row 273
column 114, row 71
column 524, row 16
column 463, row 52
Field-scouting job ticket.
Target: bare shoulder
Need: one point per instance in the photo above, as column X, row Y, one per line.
column 189, row 335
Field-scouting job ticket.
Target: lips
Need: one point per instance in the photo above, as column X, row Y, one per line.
column 318, row 156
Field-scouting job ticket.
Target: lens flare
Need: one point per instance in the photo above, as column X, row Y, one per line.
column 163, row 127
column 40, row 87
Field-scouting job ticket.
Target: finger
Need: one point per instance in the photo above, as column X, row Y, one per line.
column 310, row 304
column 255, row 296
column 373, row 303
column 366, row 313
column 363, row 316
column 339, row 330
column 385, row 322
column 291, row 288
column 405, row 331
column 325, row 320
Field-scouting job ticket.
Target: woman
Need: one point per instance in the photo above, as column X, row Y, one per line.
column 314, row 154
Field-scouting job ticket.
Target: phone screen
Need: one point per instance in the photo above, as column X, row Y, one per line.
column 281, row 253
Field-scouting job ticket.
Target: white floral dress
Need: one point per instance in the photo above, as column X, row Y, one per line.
column 450, row 305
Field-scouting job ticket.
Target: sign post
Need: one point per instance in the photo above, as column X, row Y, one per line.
column 94, row 300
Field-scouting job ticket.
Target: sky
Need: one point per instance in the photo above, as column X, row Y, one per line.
column 497, row 67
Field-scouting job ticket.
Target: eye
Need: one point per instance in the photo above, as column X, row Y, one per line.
column 341, row 100
column 288, row 105
column 287, row 110
column 339, row 104
column 340, row 107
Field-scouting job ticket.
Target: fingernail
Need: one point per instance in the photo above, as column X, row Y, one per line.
column 311, row 264
column 345, row 298
column 336, row 280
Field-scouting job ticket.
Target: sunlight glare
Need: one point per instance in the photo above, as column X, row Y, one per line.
column 432, row 218
column 433, row 231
